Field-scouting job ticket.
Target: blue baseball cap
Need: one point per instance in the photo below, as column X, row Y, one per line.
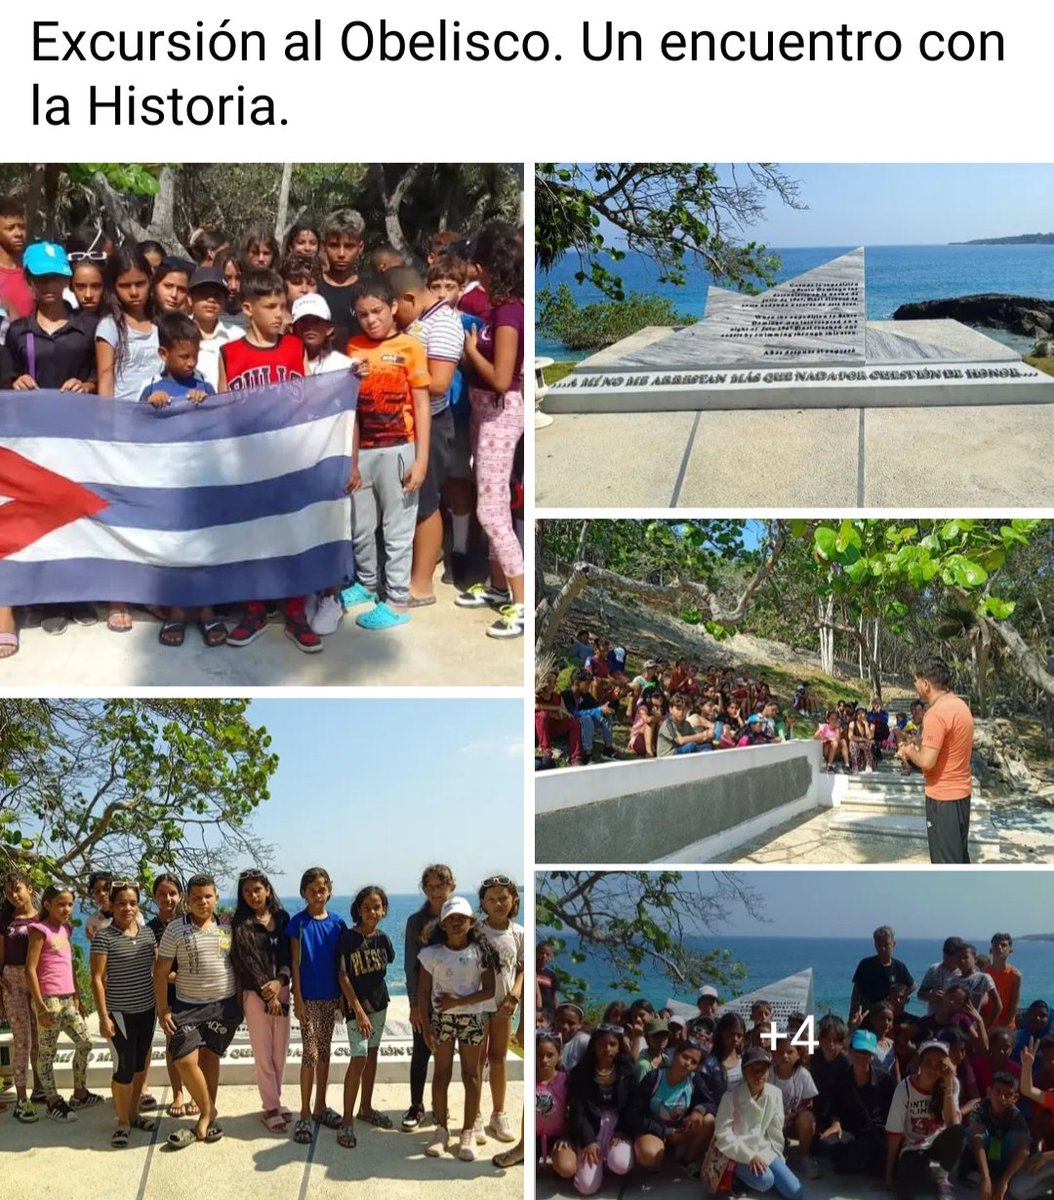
column 46, row 258
column 864, row 1039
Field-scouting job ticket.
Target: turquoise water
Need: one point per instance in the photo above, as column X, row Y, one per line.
column 895, row 275
column 833, row 961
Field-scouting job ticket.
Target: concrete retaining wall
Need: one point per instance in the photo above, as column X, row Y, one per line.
column 642, row 812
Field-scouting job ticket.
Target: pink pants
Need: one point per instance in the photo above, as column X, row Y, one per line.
column 495, row 430
column 23, row 1023
column 269, row 1037
column 619, row 1159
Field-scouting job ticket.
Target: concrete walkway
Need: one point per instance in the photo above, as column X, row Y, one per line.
column 985, row 456
column 442, row 646
column 48, row 1159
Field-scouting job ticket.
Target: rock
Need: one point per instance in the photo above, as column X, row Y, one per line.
column 999, row 757
column 1044, row 347
column 1018, row 314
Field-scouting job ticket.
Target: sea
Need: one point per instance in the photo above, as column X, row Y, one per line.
column 833, row 960
column 394, row 925
column 895, row 275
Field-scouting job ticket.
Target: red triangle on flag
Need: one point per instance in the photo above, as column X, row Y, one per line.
column 40, row 501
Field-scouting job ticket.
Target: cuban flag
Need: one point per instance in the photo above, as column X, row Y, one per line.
column 240, row 498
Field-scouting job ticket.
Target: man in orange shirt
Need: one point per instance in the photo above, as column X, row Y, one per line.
column 944, row 759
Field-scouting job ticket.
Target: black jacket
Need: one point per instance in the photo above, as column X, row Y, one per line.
column 584, row 1106
column 642, row 1119
column 259, row 955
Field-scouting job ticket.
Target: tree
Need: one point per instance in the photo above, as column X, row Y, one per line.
column 638, row 922
column 131, row 786
column 676, row 214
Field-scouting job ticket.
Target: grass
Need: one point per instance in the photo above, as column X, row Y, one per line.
column 1046, row 365
column 557, row 371
column 1031, row 731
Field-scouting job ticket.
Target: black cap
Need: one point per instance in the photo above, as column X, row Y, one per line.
column 208, row 276
column 756, row 1054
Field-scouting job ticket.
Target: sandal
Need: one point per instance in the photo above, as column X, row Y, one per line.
column 507, row 1159
column 181, row 1139
column 8, row 645
column 379, row 1119
column 302, row 1132
column 177, row 1110
column 274, row 1121
column 147, row 1103
column 119, row 620
column 213, row 1133
column 119, row 1139
column 190, row 1109
column 213, row 633
column 144, row 1123
column 329, row 1118
column 172, row 633
column 346, row 1137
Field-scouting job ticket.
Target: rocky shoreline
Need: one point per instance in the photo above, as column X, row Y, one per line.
column 1029, row 316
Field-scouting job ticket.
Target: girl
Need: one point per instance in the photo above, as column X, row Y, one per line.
column 831, row 736
column 313, row 325
column 749, row 1130
column 168, row 900
column 314, row 935
column 260, row 957
column 260, row 249
column 495, row 354
column 722, row 1067
column 599, row 1103
column 17, row 915
column 457, row 978
column 923, row 1126
column 791, row 1078
column 499, row 899
column 122, row 979
column 438, row 884
column 550, row 1094
column 861, row 742
column 228, row 263
column 880, row 1022
column 59, row 1008
column 673, row 1108
column 304, row 239
column 87, row 285
column 169, row 286
column 363, row 958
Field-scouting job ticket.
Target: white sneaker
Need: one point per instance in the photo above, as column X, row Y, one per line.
column 325, row 614
column 478, row 1130
column 436, row 1148
column 467, row 1151
column 500, row 1127
column 509, row 623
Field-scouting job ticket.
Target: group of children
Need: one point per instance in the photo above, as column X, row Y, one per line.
column 910, row 1099
column 858, row 736
column 670, row 708
column 198, row 975
column 437, row 351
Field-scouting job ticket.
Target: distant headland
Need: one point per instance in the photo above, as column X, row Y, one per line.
column 1019, row 239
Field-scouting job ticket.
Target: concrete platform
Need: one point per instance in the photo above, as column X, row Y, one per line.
column 442, row 646
column 58, row 1160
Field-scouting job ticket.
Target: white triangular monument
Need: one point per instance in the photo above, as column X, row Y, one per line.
column 792, row 994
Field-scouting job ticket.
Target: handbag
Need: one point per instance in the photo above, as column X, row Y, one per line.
column 717, row 1168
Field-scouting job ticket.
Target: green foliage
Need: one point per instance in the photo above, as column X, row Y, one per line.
column 137, row 179
column 594, row 326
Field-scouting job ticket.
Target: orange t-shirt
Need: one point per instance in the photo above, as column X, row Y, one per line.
column 947, row 728
column 1004, row 983
column 386, row 403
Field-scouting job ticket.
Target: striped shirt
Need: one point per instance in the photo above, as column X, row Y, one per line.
column 439, row 331
column 129, row 968
column 205, row 971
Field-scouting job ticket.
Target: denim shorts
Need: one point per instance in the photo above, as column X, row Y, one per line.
column 360, row 1046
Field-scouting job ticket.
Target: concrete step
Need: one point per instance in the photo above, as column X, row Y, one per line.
column 883, row 802
column 900, row 825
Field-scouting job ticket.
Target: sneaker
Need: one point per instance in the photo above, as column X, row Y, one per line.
column 25, row 1112
column 60, row 1111
column 480, row 595
column 327, row 615
column 436, row 1148
column 945, row 1187
column 352, row 597
column 609, row 754
column 248, row 629
column 478, row 1131
column 55, row 622
column 500, row 1127
column 810, row 1168
column 509, row 623
column 467, row 1151
column 412, row 1118
column 302, row 635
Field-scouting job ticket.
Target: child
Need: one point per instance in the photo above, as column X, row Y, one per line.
column 794, row 1081
column 998, row 1139
column 169, row 285
column 87, row 284
column 880, row 1022
column 940, row 975
column 829, row 1067
column 59, row 1008
column 178, row 340
column 304, row 239
column 16, row 298
column 656, row 1052
column 99, row 885
column 364, row 953
column 496, row 356
column 384, row 259
column 230, row 267
column 723, row 1065
column 167, row 893
column 674, row 1110
column 861, row 742
column 761, row 1019
column 342, row 239
column 876, row 975
column 390, row 455
column 550, row 1094
column 980, row 985
column 266, row 356
column 438, row 885
column 457, row 978
column 122, row 979
column 1007, row 979
column 313, row 325
column 499, row 898
column 259, row 249
column 924, row 1126
column 208, row 295
column 856, row 1136
column 18, row 914
column 573, row 1040
column 446, row 277
column 833, row 740
column 546, row 983
column 300, row 275
column 315, row 934
column 152, row 251
column 260, row 955
column 438, row 328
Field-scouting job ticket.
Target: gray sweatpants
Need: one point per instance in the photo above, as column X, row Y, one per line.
column 382, row 495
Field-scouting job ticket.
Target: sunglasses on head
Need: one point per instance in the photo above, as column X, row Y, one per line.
column 608, row 1027
column 498, row 881
column 87, row 256
column 251, row 873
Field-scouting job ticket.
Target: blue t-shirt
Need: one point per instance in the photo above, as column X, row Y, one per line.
column 671, row 1102
column 319, row 940
column 177, row 388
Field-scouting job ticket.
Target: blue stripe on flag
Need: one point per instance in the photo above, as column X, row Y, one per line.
column 201, row 507
column 64, row 581
column 232, row 414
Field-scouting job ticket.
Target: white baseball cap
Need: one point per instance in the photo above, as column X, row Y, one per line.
column 708, row 990
column 311, row 304
column 456, row 904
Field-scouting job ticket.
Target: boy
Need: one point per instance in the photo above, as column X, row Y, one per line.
column 677, row 735
column 16, row 296
column 390, row 454
column 984, row 995
column 940, row 975
column 874, row 977
column 438, row 328
column 301, row 276
column 266, row 356
column 208, row 295
column 656, row 1045
column 178, row 341
column 313, row 324
column 446, row 277
column 1007, row 979
column 384, row 259
column 342, row 234
column 205, row 1016
column 998, row 1139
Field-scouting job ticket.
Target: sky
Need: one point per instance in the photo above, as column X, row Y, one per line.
column 917, row 903
column 373, row 790
column 876, row 204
